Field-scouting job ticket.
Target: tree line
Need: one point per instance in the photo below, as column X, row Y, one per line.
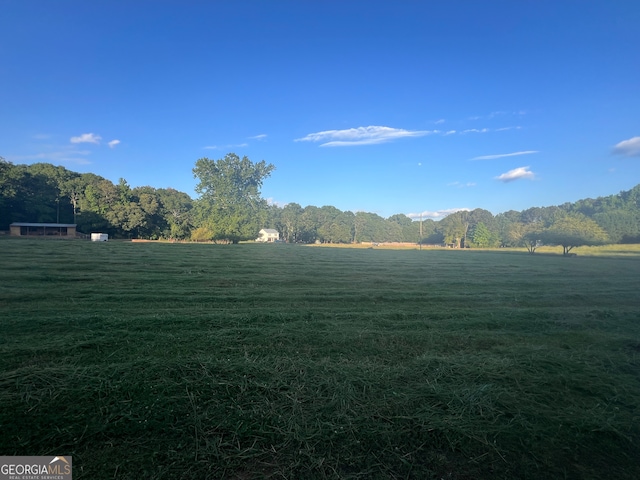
column 43, row 192
column 231, row 209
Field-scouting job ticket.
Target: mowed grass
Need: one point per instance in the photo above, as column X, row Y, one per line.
column 164, row 361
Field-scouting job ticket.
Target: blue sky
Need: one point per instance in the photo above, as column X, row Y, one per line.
column 387, row 107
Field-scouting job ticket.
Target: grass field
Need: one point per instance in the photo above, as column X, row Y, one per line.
column 164, row 361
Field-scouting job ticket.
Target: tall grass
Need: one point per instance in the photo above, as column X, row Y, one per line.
column 275, row 361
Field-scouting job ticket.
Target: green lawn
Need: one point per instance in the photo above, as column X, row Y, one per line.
column 165, row 361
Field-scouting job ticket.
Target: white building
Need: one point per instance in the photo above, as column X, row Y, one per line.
column 269, row 235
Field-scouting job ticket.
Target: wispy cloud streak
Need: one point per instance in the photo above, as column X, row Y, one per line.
column 461, row 184
column 435, row 214
column 503, row 155
column 475, row 130
column 86, row 138
column 222, row 147
column 62, row 155
column 362, row 136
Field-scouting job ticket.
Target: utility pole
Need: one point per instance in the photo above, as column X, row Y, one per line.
column 420, row 239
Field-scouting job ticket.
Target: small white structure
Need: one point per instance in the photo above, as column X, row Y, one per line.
column 268, row 235
column 99, row 237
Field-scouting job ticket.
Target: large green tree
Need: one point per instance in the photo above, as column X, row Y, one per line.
column 573, row 230
column 230, row 204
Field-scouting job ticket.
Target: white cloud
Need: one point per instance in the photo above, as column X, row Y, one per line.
column 502, row 155
column 262, row 136
column 277, row 203
column 64, row 155
column 476, row 130
column 377, row 134
column 42, row 136
column 628, row 148
column 497, row 113
column 461, row 184
column 223, row 147
column 516, row 174
column 439, row 122
column 87, row 138
column 113, row 143
column 362, row 136
column 437, row 214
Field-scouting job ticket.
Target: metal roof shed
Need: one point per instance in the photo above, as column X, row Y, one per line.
column 22, row 229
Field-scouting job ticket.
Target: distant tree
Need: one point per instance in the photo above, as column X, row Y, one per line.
column 370, row 227
column 129, row 219
column 341, row 229
column 230, row 202
column 622, row 225
column 574, row 230
column 289, row 222
column 324, row 218
column 531, row 237
column 26, row 196
column 100, row 195
column 526, row 235
column 124, row 191
column 504, row 226
column 7, row 192
column 480, row 215
column 409, row 231
column 154, row 224
column 57, row 178
column 544, row 216
column 309, row 224
column 359, row 223
column 431, row 232
column 454, row 228
column 176, row 210
column 482, row 237
column 201, row 234
column 73, row 189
